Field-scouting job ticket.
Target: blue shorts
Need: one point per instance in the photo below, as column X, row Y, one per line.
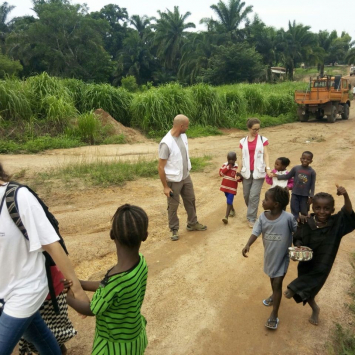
column 230, row 198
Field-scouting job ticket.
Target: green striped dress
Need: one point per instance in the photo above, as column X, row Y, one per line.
column 120, row 327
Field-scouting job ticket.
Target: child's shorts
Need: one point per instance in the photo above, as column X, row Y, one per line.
column 230, row 198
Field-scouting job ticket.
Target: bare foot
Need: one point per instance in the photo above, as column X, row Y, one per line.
column 314, row 317
column 289, row 293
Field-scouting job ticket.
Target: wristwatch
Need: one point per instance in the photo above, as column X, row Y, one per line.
column 267, row 168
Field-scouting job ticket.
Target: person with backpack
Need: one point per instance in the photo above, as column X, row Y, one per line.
column 23, row 282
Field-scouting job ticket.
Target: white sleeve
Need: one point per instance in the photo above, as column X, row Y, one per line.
column 39, row 229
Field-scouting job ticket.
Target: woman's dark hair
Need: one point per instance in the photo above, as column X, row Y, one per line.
column 3, row 175
column 323, row 195
column 280, row 195
column 129, row 225
column 284, row 161
column 252, row 121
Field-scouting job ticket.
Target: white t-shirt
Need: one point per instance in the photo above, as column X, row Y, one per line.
column 23, row 281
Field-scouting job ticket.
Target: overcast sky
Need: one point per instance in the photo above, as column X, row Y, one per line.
column 319, row 14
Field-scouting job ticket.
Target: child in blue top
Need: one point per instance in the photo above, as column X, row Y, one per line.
column 277, row 227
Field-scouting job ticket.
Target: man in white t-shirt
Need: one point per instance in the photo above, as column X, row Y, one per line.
column 174, row 172
column 23, row 282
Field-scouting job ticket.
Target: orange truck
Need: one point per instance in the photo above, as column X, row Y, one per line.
column 326, row 96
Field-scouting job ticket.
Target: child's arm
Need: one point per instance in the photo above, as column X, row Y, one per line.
column 268, row 179
column 82, row 307
column 347, row 203
column 90, row 285
column 286, row 176
column 223, row 170
column 313, row 184
column 246, row 249
column 290, row 183
column 297, row 237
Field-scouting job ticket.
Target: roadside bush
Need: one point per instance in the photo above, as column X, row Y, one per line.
column 115, row 101
column 14, row 100
column 129, row 83
column 255, row 98
column 209, row 106
column 156, row 108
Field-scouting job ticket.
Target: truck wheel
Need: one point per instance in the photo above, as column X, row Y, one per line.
column 333, row 116
column 320, row 114
column 302, row 117
column 345, row 114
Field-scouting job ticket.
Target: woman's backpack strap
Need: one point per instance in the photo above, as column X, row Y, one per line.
column 11, row 204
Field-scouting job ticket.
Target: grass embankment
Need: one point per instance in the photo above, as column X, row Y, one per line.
column 105, row 174
column 45, row 112
column 343, row 338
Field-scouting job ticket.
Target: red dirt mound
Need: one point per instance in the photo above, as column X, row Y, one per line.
column 131, row 135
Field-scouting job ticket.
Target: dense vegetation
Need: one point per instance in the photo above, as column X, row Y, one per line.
column 35, row 110
column 69, row 41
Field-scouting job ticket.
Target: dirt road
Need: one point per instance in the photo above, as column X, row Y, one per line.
column 203, row 297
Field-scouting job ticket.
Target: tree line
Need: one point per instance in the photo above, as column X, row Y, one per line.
column 107, row 46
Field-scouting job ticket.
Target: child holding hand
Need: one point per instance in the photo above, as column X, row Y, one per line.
column 118, row 298
column 322, row 232
column 277, row 227
column 304, row 184
column 280, row 169
column 229, row 183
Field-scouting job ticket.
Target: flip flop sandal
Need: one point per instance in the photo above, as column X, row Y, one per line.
column 269, row 322
column 268, row 302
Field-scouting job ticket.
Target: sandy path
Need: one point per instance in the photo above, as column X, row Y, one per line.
column 203, row 297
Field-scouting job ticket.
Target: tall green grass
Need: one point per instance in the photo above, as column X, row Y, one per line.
column 155, row 108
column 63, row 107
column 14, row 100
column 115, row 101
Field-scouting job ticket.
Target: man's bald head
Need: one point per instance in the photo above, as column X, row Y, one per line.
column 180, row 124
column 180, row 120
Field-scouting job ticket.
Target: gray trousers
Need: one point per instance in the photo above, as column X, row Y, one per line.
column 251, row 191
column 184, row 188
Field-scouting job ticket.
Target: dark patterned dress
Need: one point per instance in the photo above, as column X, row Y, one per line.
column 325, row 243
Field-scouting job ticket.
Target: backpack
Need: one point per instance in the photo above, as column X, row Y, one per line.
column 12, row 206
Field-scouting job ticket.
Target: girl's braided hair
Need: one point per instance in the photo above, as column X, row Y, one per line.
column 3, row 175
column 280, row 195
column 324, row 195
column 129, row 225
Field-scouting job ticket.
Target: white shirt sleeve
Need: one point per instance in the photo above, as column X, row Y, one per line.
column 39, row 229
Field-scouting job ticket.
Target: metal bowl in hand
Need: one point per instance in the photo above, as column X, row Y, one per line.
column 300, row 253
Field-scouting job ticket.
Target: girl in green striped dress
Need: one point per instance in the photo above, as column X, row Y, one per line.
column 118, row 298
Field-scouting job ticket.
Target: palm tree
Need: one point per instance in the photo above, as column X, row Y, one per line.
column 195, row 55
column 296, row 45
column 5, row 9
column 230, row 16
column 141, row 24
column 170, row 36
column 350, row 57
